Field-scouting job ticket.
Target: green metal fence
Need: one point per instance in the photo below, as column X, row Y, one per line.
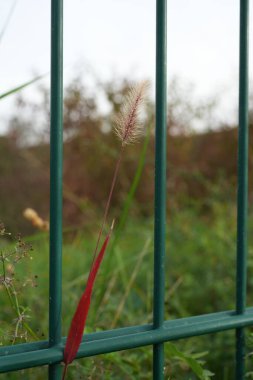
column 51, row 352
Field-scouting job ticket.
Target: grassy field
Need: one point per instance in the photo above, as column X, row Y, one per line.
column 200, row 279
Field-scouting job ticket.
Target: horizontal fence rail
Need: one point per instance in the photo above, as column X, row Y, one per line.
column 37, row 354
column 50, row 352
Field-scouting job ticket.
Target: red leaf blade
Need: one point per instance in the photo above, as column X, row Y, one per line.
column 77, row 326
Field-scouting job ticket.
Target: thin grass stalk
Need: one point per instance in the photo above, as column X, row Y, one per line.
column 130, row 283
column 127, row 130
column 8, row 20
column 132, row 191
column 108, row 203
column 124, row 214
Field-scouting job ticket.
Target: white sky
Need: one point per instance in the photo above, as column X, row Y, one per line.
column 117, row 38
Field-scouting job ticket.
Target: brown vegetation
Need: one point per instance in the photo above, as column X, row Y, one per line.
column 196, row 164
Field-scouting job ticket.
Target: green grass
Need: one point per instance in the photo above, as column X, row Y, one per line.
column 200, row 279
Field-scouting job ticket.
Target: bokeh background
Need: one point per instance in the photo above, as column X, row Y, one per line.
column 108, row 47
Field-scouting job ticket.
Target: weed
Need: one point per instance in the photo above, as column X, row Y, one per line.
column 13, row 287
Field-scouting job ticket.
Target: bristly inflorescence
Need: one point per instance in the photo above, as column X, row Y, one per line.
column 127, row 125
column 128, row 128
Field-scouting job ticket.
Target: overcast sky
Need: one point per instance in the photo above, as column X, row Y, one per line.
column 117, row 38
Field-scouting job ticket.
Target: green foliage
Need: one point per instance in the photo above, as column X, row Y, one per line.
column 201, row 235
column 194, row 241
column 13, row 287
column 192, row 360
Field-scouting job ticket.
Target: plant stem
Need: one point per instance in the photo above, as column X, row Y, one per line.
column 64, row 372
column 31, row 332
column 14, row 293
column 9, row 296
column 15, row 306
column 108, row 203
column 132, row 191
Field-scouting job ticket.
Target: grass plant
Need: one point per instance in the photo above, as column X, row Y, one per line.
column 194, row 241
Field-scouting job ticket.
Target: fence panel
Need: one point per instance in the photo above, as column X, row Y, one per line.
column 50, row 352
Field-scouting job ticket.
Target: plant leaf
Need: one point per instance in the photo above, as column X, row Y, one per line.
column 75, row 334
column 18, row 88
column 194, row 364
column 8, row 20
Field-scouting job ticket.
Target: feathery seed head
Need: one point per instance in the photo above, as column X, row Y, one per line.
column 127, row 125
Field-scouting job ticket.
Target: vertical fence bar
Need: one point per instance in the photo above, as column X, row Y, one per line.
column 160, row 181
column 56, row 151
column 242, row 195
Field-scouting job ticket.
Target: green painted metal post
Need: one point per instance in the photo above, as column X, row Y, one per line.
column 160, row 181
column 242, row 200
column 56, row 158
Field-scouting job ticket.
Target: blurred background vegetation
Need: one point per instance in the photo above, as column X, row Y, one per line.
column 199, row 164
column 201, row 208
